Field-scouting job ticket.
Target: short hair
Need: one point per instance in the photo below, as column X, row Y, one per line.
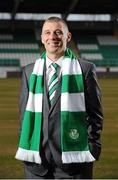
column 56, row 19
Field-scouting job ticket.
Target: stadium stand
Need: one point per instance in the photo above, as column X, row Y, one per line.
column 24, row 48
column 96, row 20
column 17, row 51
column 101, row 50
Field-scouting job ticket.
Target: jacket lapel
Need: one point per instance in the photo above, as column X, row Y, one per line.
column 45, row 95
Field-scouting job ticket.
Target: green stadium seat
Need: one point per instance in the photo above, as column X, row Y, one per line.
column 10, row 62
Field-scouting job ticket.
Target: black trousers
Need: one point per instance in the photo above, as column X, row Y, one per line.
column 85, row 171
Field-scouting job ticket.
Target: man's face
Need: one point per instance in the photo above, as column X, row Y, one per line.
column 55, row 37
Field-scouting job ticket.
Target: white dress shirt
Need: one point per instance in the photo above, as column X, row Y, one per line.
column 48, row 66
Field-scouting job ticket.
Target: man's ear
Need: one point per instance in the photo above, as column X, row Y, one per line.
column 42, row 39
column 69, row 36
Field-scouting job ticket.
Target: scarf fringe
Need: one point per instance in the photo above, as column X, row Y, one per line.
column 28, row 155
column 77, row 157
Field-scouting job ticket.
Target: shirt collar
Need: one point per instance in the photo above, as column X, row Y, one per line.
column 49, row 62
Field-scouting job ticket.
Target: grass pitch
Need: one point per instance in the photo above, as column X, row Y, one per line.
column 10, row 168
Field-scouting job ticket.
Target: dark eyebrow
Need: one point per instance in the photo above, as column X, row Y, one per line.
column 46, row 30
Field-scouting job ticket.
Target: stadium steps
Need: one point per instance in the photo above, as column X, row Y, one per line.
column 22, row 47
column 101, row 50
column 10, row 62
column 17, row 51
column 105, row 63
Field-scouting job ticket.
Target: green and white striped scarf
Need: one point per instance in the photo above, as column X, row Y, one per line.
column 74, row 141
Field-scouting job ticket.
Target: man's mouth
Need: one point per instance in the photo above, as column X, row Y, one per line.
column 54, row 44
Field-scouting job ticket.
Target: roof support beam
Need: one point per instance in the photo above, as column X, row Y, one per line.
column 70, row 9
column 15, row 8
column 13, row 13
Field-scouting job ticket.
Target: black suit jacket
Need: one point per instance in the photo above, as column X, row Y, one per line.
column 50, row 131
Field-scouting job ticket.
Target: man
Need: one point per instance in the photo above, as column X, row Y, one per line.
column 60, row 111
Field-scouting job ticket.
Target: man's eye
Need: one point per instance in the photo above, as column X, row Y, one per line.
column 46, row 33
column 58, row 32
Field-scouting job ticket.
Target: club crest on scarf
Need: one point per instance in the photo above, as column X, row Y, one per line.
column 74, row 134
